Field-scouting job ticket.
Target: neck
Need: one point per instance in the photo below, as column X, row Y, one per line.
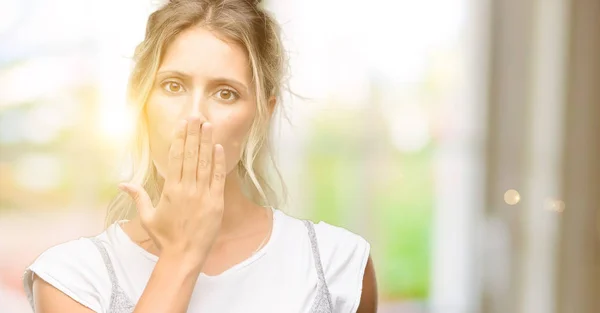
column 237, row 206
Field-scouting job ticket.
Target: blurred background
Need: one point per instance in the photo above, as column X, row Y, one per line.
column 459, row 137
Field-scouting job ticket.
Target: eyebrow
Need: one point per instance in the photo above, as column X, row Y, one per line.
column 213, row 80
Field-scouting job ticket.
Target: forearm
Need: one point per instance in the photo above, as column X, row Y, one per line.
column 170, row 286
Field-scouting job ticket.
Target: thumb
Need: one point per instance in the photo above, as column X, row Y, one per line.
column 142, row 201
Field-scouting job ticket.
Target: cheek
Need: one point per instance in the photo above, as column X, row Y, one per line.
column 162, row 120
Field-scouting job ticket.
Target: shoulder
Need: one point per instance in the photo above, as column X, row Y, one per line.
column 336, row 243
column 76, row 268
column 344, row 255
column 330, row 237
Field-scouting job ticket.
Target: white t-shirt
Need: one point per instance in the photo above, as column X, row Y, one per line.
column 281, row 277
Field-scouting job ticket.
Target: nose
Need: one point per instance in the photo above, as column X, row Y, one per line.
column 199, row 107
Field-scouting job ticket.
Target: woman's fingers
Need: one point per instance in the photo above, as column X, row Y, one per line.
column 190, row 155
column 205, row 158
column 141, row 198
column 219, row 173
column 176, row 154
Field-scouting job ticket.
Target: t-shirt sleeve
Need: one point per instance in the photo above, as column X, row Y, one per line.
column 76, row 269
column 344, row 255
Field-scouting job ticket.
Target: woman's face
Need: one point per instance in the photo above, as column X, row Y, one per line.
column 203, row 75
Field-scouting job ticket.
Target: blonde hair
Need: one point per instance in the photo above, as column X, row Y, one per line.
column 243, row 22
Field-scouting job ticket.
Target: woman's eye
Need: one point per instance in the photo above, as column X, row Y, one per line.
column 172, row 87
column 227, row 95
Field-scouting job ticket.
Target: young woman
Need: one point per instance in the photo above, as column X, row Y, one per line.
column 195, row 230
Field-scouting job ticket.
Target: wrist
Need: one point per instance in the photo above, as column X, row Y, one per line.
column 187, row 262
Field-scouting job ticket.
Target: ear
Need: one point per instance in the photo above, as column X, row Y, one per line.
column 271, row 105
